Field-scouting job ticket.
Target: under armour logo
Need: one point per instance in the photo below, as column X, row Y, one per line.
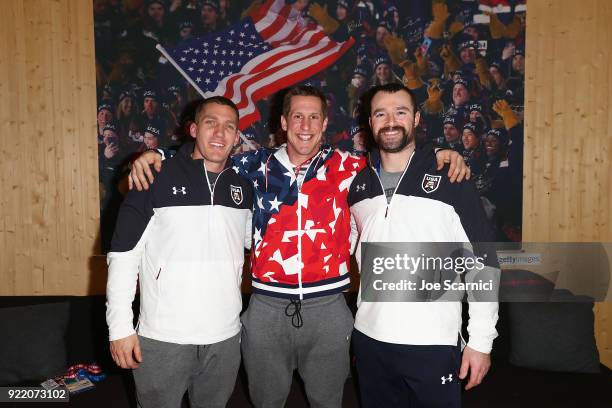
column 449, row 379
column 360, row 187
column 175, row 190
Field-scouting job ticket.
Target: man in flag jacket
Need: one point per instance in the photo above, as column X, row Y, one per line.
column 407, row 352
column 297, row 317
column 183, row 240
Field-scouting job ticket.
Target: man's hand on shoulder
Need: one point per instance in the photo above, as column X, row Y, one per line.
column 126, row 351
column 477, row 364
column 141, row 175
column 458, row 169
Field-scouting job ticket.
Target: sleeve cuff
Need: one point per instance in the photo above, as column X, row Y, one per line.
column 481, row 345
column 161, row 152
column 120, row 332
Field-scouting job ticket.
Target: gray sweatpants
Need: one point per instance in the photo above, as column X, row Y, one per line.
column 272, row 348
column 168, row 370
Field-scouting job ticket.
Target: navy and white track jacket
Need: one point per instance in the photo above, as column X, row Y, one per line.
column 425, row 207
column 184, row 241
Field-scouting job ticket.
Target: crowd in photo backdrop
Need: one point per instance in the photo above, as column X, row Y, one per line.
column 463, row 59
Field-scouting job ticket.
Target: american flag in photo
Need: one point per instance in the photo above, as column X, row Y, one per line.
column 261, row 54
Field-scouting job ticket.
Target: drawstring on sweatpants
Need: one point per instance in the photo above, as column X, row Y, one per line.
column 296, row 316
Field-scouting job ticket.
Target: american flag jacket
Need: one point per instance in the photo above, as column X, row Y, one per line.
column 301, row 221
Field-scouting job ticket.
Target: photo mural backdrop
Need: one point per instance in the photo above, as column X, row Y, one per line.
column 464, row 60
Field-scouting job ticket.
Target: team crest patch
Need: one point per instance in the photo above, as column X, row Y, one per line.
column 236, row 193
column 430, row 183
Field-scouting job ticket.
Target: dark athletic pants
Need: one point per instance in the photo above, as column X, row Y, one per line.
column 398, row 375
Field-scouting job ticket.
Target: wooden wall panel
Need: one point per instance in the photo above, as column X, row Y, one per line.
column 49, row 205
column 568, row 130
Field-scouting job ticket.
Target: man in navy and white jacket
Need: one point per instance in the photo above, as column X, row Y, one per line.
column 407, row 353
column 183, row 240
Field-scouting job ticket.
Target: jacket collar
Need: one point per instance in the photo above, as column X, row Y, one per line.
column 282, row 156
column 420, row 152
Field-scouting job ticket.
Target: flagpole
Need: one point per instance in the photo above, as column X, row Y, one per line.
column 183, row 73
column 246, row 141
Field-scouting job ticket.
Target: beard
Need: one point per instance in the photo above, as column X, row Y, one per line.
column 396, row 145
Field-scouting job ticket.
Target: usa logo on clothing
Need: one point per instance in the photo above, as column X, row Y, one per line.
column 430, row 183
column 236, row 192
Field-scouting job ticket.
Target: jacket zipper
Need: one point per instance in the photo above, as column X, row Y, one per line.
column 396, row 186
column 301, row 264
column 212, row 190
